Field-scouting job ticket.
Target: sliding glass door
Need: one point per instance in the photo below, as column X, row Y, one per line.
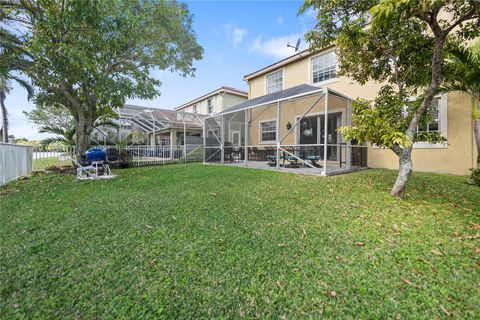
column 312, row 132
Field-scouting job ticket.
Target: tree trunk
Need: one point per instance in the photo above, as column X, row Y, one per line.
column 405, row 154
column 4, row 117
column 476, row 130
column 82, row 136
column 81, row 142
column 405, row 170
column 476, row 122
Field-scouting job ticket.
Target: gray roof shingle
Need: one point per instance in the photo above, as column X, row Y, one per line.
column 302, row 89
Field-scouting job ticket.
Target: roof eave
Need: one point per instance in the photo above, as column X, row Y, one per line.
column 213, row 93
column 305, row 53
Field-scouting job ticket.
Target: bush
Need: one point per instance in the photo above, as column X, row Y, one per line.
column 125, row 158
column 475, row 176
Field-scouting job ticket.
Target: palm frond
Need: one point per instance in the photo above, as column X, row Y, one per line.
column 463, row 69
column 65, row 135
column 25, row 85
column 47, row 141
column 52, row 129
column 105, row 122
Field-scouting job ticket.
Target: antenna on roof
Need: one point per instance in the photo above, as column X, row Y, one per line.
column 296, row 47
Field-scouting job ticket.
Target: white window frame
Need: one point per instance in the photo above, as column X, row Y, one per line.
column 442, row 123
column 195, row 108
column 260, row 131
column 210, row 104
column 233, row 133
column 282, row 70
column 310, row 69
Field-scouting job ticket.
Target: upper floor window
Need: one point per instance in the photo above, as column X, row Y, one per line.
column 274, row 81
column 324, row 67
column 195, row 108
column 433, row 123
column 268, row 131
column 210, row 105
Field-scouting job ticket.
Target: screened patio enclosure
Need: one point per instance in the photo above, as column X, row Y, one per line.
column 162, row 126
column 155, row 135
column 291, row 130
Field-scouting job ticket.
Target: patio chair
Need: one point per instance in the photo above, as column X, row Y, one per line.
column 271, row 156
column 312, row 157
column 236, row 154
column 91, row 169
column 293, row 160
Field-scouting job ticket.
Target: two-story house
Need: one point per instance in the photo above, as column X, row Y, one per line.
column 288, row 94
column 215, row 101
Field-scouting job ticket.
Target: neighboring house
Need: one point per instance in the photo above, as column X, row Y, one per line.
column 215, row 101
column 165, row 127
column 451, row 114
column 153, row 126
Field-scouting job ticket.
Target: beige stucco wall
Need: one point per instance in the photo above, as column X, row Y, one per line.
column 290, row 111
column 297, row 73
column 230, row 100
column 457, row 158
column 220, row 102
column 202, row 105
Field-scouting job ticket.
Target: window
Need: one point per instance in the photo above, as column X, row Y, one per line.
column 236, row 138
column 437, row 121
column 210, row 106
column 275, row 82
column 433, row 125
column 324, row 67
column 195, row 108
column 268, row 131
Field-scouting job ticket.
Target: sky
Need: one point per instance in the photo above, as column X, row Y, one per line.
column 238, row 37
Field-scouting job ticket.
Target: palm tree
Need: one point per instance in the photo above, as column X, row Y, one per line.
column 464, row 76
column 66, row 135
column 63, row 135
column 5, row 88
column 12, row 63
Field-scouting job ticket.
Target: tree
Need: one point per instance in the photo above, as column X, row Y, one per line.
column 464, row 76
column 12, row 64
column 401, row 44
column 63, row 135
column 66, row 134
column 54, row 115
column 90, row 56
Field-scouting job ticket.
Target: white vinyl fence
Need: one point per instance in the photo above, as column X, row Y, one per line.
column 15, row 161
column 151, row 155
column 60, row 159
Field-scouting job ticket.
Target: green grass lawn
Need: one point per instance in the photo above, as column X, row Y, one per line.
column 47, row 162
column 195, row 241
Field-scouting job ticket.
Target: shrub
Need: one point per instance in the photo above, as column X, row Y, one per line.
column 475, row 176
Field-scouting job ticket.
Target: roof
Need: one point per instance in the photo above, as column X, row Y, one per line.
column 231, row 90
column 155, row 119
column 301, row 90
column 283, row 62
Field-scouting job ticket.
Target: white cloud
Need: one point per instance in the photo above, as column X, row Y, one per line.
column 238, row 35
column 276, row 47
column 235, row 34
column 280, row 20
